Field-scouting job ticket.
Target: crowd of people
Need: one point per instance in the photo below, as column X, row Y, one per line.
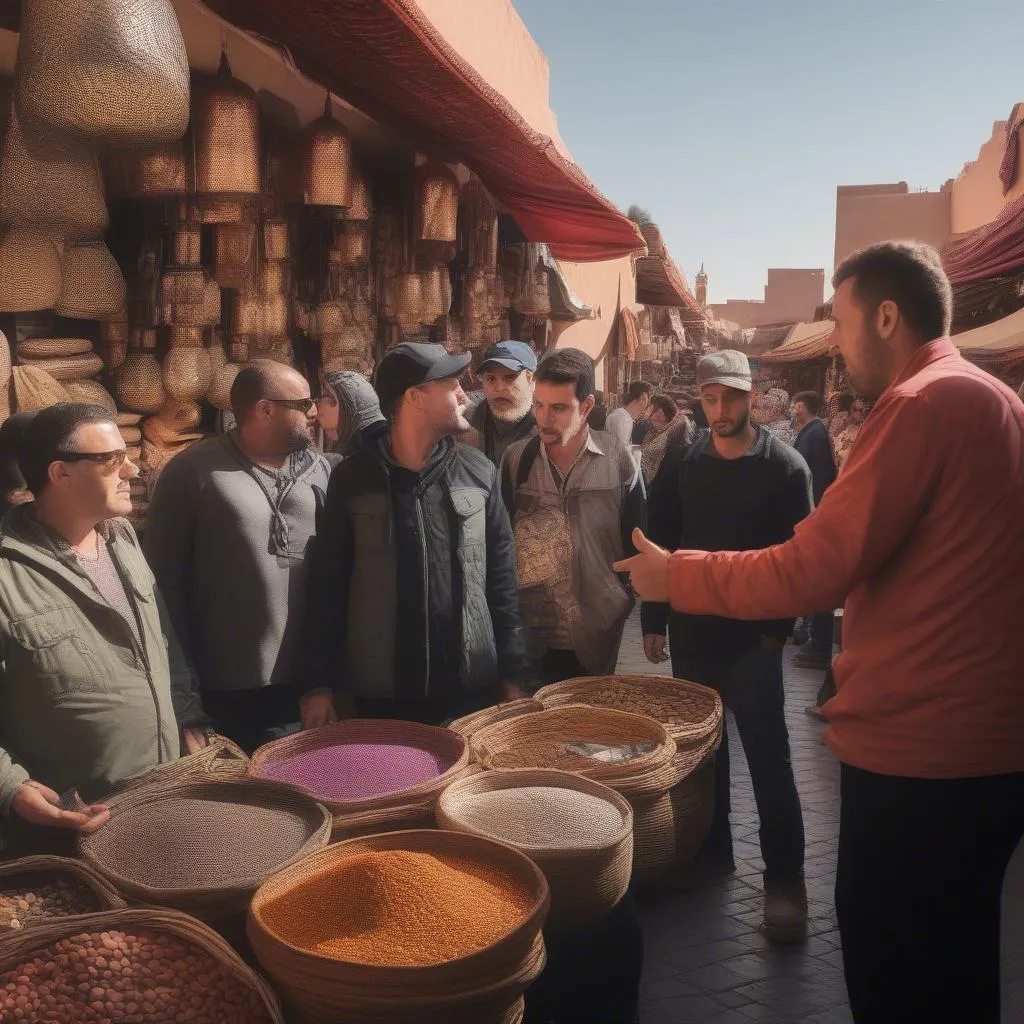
column 443, row 553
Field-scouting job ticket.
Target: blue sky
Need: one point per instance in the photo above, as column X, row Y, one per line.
column 733, row 121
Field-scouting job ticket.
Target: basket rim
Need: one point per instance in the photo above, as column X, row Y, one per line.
column 337, row 852
column 39, row 864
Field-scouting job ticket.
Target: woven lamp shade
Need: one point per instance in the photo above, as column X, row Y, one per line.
column 29, row 270
column 92, row 392
column 65, row 368
column 327, row 162
column 360, row 208
column 138, row 383
column 276, row 244
column 234, row 249
column 226, row 130
column 352, row 246
column 437, row 203
column 405, row 301
column 109, row 73
column 436, row 294
column 6, row 372
column 92, row 287
column 187, row 373
column 160, row 173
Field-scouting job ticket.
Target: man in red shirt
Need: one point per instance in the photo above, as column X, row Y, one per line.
column 922, row 535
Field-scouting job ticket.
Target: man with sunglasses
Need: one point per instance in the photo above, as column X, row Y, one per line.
column 93, row 685
column 229, row 528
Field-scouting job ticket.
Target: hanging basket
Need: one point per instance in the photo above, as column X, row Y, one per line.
column 360, row 209
column 138, row 383
column 152, row 174
column 352, row 246
column 187, row 373
column 405, row 301
column 276, row 244
column 437, row 203
column 234, row 251
column 327, row 162
column 92, row 287
column 436, row 291
column 29, row 270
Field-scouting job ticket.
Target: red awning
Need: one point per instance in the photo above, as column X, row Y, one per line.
column 660, row 282
column 990, row 250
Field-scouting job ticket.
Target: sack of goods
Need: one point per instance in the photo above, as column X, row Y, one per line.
column 373, row 776
column 427, row 926
column 578, row 832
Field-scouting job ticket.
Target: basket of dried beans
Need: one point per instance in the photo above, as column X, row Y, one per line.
column 35, row 890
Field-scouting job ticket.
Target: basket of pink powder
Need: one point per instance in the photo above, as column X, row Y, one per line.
column 372, row 775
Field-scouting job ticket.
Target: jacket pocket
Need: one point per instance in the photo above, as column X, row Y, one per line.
column 49, row 647
column 479, row 648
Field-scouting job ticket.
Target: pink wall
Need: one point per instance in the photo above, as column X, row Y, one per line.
column 744, row 313
column 793, row 294
column 977, row 191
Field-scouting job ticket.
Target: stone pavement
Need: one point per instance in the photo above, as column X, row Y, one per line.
column 705, row 958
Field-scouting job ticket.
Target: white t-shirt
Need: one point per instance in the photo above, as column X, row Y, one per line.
column 620, row 425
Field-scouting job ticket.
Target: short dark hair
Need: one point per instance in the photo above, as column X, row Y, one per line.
column 810, row 399
column 844, row 402
column 50, row 435
column 666, row 404
column 636, row 390
column 907, row 273
column 568, row 366
column 251, row 385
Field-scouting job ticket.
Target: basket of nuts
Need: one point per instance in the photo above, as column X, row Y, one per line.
column 130, row 966
column 35, row 890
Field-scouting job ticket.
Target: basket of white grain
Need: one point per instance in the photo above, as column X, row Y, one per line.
column 577, row 831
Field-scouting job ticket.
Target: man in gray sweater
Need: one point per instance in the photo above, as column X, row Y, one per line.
column 228, row 535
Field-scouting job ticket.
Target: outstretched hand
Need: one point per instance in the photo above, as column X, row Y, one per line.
column 39, row 805
column 648, row 569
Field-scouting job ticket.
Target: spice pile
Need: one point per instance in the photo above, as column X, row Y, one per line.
column 132, row 978
column 30, row 902
column 545, row 816
column 399, row 908
column 358, row 771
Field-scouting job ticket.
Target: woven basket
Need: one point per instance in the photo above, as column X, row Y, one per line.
column 405, row 301
column 209, row 948
column 234, row 249
column 409, row 807
column 29, row 270
column 437, row 203
column 92, row 287
column 187, row 373
column 436, row 291
column 53, row 348
column 160, row 173
column 540, row 740
column 327, row 162
column 6, row 373
column 128, row 419
column 352, row 246
column 92, row 392
column 29, row 872
column 36, row 389
column 478, row 720
column 276, row 244
column 161, row 847
column 586, row 881
column 219, row 392
column 360, row 209
column 67, row 368
column 138, row 383
column 482, row 988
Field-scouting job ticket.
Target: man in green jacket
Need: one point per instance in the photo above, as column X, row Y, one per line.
column 93, row 686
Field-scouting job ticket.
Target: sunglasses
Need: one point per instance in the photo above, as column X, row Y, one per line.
column 111, row 460
column 298, row 404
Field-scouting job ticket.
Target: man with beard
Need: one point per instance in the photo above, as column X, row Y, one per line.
column 505, row 414
column 738, row 488
column 227, row 536
column 412, row 609
column 922, row 534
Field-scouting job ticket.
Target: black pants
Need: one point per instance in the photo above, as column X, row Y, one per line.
column 592, row 978
column 822, row 635
column 558, row 665
column 921, row 866
column 750, row 683
column 253, row 717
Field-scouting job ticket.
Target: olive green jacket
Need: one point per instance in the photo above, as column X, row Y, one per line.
column 82, row 702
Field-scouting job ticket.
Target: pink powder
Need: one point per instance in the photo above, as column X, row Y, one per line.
column 355, row 771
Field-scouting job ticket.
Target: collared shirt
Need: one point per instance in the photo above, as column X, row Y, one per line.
column 923, row 536
column 620, row 425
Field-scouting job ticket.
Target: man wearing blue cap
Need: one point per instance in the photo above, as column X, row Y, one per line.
column 413, row 608
column 505, row 413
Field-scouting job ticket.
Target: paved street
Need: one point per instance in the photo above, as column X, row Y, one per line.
column 706, row 959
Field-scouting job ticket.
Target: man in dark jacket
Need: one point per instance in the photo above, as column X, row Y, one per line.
column 504, row 413
column 412, row 607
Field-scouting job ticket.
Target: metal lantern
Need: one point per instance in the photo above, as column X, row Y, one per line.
column 226, row 134
column 29, row 270
column 437, row 203
column 234, row 250
column 327, row 162
column 92, row 286
column 160, row 173
column 360, row 208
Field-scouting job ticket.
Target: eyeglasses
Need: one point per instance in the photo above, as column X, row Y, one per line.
column 297, row 404
column 111, row 460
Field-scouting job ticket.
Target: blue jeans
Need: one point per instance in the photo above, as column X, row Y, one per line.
column 750, row 682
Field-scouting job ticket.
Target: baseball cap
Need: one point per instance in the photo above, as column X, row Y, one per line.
column 727, row 367
column 413, row 363
column 513, row 355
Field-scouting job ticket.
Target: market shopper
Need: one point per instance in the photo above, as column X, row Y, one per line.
column 923, row 534
column 738, row 488
column 574, row 496
column 667, row 427
column 846, row 438
column 93, row 686
column 228, row 535
column 347, row 408
column 772, row 410
column 504, row 413
column 636, row 403
column 412, row 605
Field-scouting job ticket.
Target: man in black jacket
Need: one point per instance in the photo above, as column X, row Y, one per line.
column 413, row 608
column 736, row 488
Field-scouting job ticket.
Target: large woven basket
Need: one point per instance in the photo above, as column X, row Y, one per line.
column 30, row 872
column 138, row 383
column 473, row 723
column 482, row 988
column 53, row 348
column 29, row 270
column 17, row 948
column 92, row 287
column 36, row 389
column 68, row 368
column 542, row 739
column 92, row 392
column 586, row 880
column 204, row 847
column 410, row 807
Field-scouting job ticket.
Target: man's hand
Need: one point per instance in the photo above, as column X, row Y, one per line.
column 317, row 709
column 196, row 739
column 648, row 570
column 39, row 805
column 654, row 648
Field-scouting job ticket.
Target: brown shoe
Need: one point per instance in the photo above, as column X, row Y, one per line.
column 785, row 912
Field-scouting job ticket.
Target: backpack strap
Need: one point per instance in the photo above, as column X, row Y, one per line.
column 526, row 461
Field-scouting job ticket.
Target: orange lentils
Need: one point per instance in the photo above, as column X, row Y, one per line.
column 399, row 908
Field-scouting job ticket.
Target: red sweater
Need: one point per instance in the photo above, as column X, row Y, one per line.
column 922, row 535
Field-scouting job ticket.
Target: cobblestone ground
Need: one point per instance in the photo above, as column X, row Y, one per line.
column 705, row 958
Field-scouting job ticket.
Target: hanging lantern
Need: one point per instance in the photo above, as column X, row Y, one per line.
column 234, row 250
column 405, row 302
column 226, row 129
column 351, row 246
column 92, row 286
column 360, row 208
column 138, row 383
column 187, row 373
column 437, row 294
column 327, row 162
column 527, row 281
column 160, row 173
column 29, row 270
column 109, row 74
column 437, row 203
column 276, row 244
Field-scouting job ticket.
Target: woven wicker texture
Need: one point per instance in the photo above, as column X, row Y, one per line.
column 128, row 419
column 52, row 348
column 234, row 251
column 352, row 246
column 69, row 368
column 29, row 270
column 483, row 987
column 160, row 173
column 187, row 373
column 327, row 162
column 38, row 889
column 469, row 724
column 436, row 289
column 579, row 832
column 138, row 383
column 219, row 392
column 110, row 72
column 6, row 372
column 360, row 209
column 276, row 244
column 404, row 302
column 36, row 389
column 91, row 391
column 437, row 203
column 527, row 282
column 92, row 287
column 188, row 971
column 205, row 846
